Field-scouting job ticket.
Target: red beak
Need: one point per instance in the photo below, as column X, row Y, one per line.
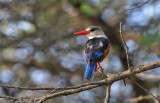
column 82, row 33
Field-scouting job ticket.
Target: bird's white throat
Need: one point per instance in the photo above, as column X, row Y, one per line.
column 94, row 35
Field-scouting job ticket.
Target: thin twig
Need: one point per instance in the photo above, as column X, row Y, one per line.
column 14, row 98
column 125, row 46
column 138, row 6
column 144, row 89
column 40, row 101
column 101, row 70
column 140, row 98
column 9, row 97
column 148, row 76
column 107, row 98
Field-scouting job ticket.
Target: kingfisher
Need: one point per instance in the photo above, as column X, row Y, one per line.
column 96, row 49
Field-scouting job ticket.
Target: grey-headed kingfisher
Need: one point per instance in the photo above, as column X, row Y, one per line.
column 96, row 49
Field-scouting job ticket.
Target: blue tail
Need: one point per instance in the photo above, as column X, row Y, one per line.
column 89, row 70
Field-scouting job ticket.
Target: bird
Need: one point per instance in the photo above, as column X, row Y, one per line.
column 96, row 49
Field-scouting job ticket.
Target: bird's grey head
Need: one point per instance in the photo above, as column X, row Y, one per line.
column 95, row 32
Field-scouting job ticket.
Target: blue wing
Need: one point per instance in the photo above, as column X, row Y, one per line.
column 94, row 56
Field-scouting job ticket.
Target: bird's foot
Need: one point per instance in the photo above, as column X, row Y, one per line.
column 99, row 66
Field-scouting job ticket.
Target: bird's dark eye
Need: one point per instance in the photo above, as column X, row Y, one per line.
column 93, row 29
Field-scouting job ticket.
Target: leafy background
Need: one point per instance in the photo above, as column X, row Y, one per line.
column 38, row 47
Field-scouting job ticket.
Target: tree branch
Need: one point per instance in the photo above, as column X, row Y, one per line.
column 75, row 89
column 140, row 98
column 138, row 6
column 9, row 97
column 129, row 65
column 125, row 46
column 148, row 76
column 154, row 97
column 108, row 90
column 112, row 78
column 14, row 98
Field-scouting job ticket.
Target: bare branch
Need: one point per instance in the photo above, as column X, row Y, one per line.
column 148, row 76
column 129, row 65
column 145, row 90
column 40, row 101
column 14, row 98
column 125, row 46
column 32, row 88
column 9, row 97
column 138, row 6
column 101, row 70
column 140, row 98
column 43, row 88
column 107, row 98
column 75, row 89
column 109, row 80
column 50, row 88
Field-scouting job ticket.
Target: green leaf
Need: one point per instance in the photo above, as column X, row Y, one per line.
column 48, row 1
column 74, row 2
column 149, row 39
column 87, row 9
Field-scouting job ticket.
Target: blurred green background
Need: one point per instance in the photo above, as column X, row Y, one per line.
column 38, row 47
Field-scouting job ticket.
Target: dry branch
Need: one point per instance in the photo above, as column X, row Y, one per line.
column 130, row 67
column 154, row 97
column 75, row 89
column 9, row 97
column 138, row 6
column 140, row 98
column 112, row 78
column 108, row 91
column 124, row 45
column 15, row 98
column 148, row 76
